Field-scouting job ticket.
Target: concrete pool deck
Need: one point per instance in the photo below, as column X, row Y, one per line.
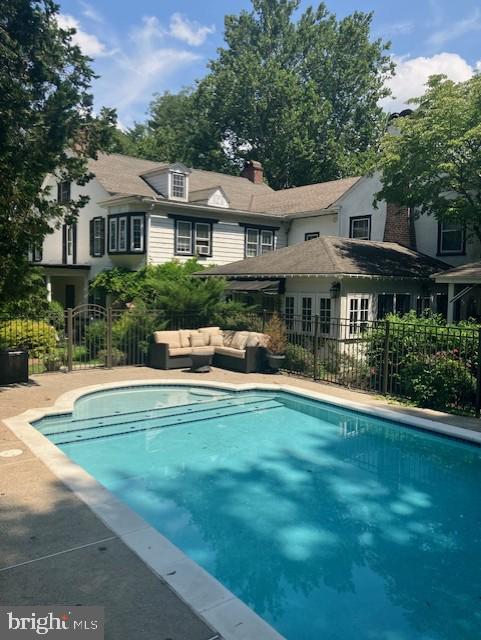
column 55, row 550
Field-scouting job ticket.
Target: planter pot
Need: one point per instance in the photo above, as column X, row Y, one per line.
column 275, row 361
column 13, row 366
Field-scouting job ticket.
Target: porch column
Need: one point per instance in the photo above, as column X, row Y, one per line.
column 48, row 284
column 450, row 303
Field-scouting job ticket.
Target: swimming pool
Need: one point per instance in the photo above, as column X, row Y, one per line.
column 327, row 522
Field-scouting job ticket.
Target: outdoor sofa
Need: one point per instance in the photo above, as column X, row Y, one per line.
column 243, row 351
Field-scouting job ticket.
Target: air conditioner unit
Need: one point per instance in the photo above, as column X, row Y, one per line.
column 203, row 251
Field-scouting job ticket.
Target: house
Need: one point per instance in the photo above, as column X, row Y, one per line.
column 333, row 277
column 142, row 212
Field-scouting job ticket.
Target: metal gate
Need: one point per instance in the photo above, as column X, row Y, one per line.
column 89, row 337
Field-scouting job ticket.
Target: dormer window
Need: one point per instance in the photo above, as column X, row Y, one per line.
column 178, row 186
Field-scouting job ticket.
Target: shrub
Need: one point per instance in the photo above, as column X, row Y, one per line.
column 37, row 337
column 277, row 335
column 439, row 382
column 95, row 338
column 118, row 357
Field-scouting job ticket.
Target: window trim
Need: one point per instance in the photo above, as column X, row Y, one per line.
column 313, row 235
column 259, row 230
column 456, row 252
column 60, row 186
column 193, row 222
column 133, row 219
column 114, row 220
column 357, row 218
column 122, row 225
column 100, row 222
column 208, row 240
column 182, row 198
column 355, row 324
column 37, row 253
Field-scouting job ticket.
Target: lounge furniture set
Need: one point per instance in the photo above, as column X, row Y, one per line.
column 197, row 349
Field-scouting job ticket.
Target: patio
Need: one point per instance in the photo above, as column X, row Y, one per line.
column 56, row 550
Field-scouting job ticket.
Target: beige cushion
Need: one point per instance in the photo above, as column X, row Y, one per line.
column 182, row 351
column 216, row 341
column 207, row 332
column 203, row 350
column 230, row 351
column 257, row 339
column 197, row 339
column 184, row 337
column 171, row 338
column 240, row 339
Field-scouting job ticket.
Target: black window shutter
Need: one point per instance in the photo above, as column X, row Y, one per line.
column 92, row 241
column 102, row 236
column 64, row 244
column 74, row 241
column 59, row 186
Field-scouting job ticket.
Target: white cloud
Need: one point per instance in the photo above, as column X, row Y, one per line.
column 188, row 31
column 140, row 67
column 89, row 43
column 457, row 29
column 91, row 13
column 413, row 73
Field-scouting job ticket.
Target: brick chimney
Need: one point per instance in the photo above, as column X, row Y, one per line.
column 399, row 226
column 253, row 171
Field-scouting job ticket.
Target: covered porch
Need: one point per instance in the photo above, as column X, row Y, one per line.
column 67, row 284
column 464, row 291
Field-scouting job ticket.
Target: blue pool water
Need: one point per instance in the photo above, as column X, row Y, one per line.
column 328, row 523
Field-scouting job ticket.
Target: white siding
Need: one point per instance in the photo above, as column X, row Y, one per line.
column 359, row 202
column 227, row 241
column 326, row 225
column 427, row 242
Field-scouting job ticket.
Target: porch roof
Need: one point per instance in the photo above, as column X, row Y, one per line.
column 334, row 256
column 466, row 274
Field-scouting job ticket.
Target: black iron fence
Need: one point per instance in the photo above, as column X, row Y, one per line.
column 427, row 364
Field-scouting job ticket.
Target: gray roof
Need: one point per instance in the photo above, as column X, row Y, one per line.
column 464, row 273
column 330, row 255
column 312, row 197
column 121, row 175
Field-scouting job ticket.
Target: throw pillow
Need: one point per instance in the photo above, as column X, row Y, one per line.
column 239, row 340
column 184, row 337
column 196, row 340
column 216, row 341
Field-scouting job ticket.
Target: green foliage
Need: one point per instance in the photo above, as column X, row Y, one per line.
column 121, row 284
column 118, row 357
column 298, row 92
column 433, row 164
column 95, row 338
column 441, row 381
column 38, row 337
column 429, row 362
column 46, row 109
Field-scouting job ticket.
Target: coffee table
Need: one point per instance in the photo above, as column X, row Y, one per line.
column 201, row 361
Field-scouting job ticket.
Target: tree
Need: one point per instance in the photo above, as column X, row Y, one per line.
column 432, row 163
column 300, row 95
column 47, row 125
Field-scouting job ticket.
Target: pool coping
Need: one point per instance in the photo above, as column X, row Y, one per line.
column 203, row 593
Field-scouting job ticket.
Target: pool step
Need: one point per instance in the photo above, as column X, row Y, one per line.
column 161, row 422
column 66, row 425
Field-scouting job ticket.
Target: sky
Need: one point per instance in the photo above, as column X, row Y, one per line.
column 144, row 47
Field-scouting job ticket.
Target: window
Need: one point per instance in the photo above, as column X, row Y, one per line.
column 289, row 310
column 307, row 314
column 325, row 315
column 122, row 241
column 399, row 303
column 360, row 228
column 178, row 185
column 358, row 314
column 113, row 234
column 183, row 242
column 252, row 242
column 137, row 233
column 423, row 304
column 69, row 240
column 267, row 241
column 37, row 253
column 203, row 239
column 63, row 191
column 258, row 241
column 126, row 233
column 97, row 237
column 311, row 235
column 451, row 239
